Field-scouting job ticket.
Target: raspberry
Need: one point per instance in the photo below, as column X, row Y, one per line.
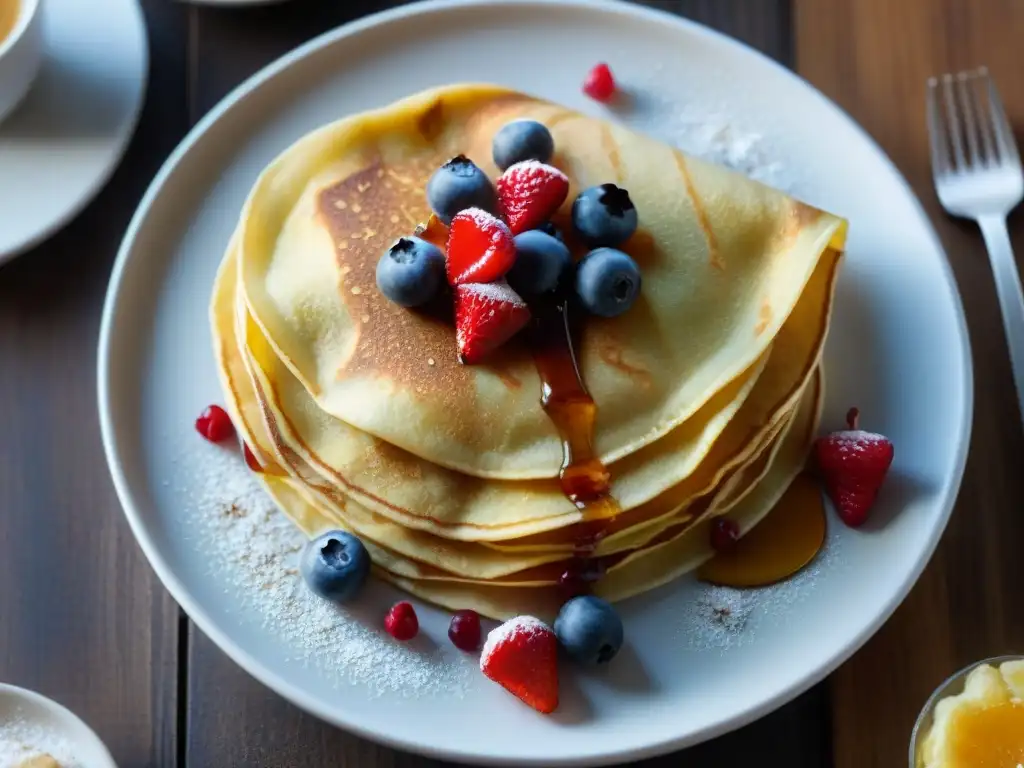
column 600, row 84
column 724, row 534
column 401, row 622
column 464, row 630
column 214, row 424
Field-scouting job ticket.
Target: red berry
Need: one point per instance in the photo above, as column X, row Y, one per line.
column 464, row 630
column 401, row 622
column 250, row 458
column 214, row 424
column 522, row 657
column 486, row 316
column 480, row 248
column 600, row 84
column 724, row 534
column 854, row 464
column 529, row 193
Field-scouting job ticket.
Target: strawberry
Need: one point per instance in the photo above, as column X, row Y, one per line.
column 600, row 83
column 486, row 316
column 529, row 193
column 480, row 248
column 854, row 464
column 522, row 657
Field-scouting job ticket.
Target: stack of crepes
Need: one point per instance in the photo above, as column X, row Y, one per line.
column 363, row 418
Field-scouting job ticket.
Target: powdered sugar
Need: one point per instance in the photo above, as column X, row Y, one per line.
column 22, row 739
column 485, row 221
column 855, row 441
column 498, row 291
column 723, row 618
column 253, row 548
column 519, row 625
column 531, row 173
column 718, row 617
column 708, row 132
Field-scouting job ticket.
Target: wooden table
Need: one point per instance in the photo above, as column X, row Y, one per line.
column 84, row 619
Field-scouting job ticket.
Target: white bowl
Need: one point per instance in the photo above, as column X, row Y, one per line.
column 38, row 711
column 21, row 53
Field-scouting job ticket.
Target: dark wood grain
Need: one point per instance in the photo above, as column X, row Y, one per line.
column 873, row 57
column 226, row 46
column 82, row 616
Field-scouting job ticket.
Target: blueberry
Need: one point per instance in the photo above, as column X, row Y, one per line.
column 457, row 185
column 541, row 260
column 590, row 630
column 522, row 140
column 549, row 228
column 607, row 282
column 604, row 215
column 335, row 565
column 410, row 271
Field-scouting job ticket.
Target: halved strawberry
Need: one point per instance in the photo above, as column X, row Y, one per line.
column 480, row 248
column 854, row 464
column 529, row 193
column 522, row 657
column 486, row 316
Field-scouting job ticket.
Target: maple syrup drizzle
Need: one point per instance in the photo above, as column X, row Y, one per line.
column 584, row 479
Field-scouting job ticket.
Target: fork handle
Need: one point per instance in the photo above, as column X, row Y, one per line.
column 1008, row 288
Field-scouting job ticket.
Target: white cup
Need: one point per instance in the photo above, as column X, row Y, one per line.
column 21, row 54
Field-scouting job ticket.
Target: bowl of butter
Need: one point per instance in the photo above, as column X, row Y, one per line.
column 975, row 719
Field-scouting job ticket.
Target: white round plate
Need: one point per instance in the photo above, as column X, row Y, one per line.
column 59, row 147
column 898, row 350
column 44, row 726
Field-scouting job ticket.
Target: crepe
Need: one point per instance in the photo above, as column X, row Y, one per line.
column 315, row 506
column 360, row 416
column 723, row 258
column 457, row 506
column 654, row 567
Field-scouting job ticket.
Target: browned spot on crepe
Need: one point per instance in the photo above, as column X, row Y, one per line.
column 703, row 221
column 390, row 463
column 396, row 344
column 611, row 148
column 643, row 248
column 431, row 122
column 764, row 316
column 800, row 216
column 611, row 353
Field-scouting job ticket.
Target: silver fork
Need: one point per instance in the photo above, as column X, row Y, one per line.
column 978, row 176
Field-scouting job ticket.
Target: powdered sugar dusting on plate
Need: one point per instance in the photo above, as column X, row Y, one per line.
column 706, row 131
column 722, row 617
column 22, row 739
column 254, row 548
column 509, row 629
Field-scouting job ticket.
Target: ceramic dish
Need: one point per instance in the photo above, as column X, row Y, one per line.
column 51, row 728
column 898, row 350
column 82, row 108
column 20, row 55
column 951, row 686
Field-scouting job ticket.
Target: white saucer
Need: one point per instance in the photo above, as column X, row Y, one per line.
column 57, row 730
column 60, row 146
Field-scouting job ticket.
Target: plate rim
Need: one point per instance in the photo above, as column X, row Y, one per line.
column 948, row 492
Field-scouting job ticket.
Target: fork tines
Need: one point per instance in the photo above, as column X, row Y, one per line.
column 968, row 125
